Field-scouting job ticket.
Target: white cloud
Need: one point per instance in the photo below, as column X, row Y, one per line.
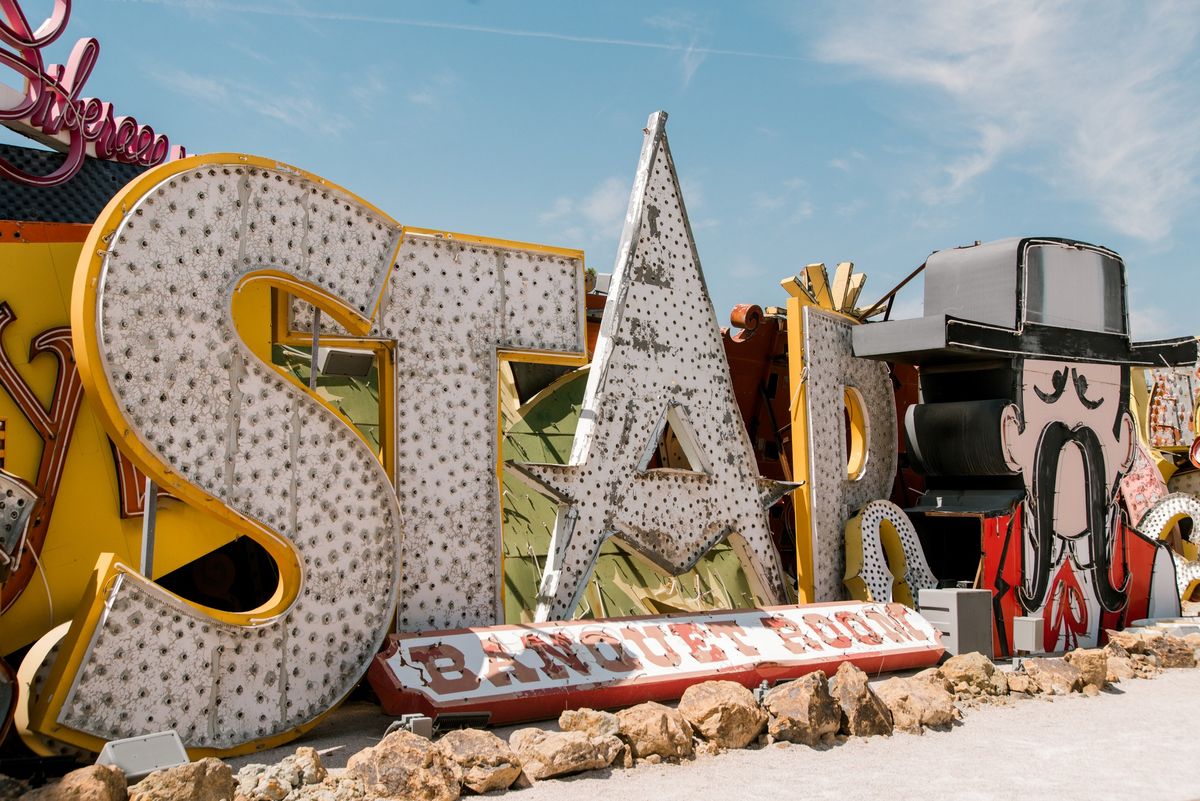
column 200, row 87
column 596, row 217
column 686, row 32
column 605, row 206
column 693, row 193
column 848, row 162
column 907, row 305
column 1150, row 322
column 370, row 88
column 561, row 208
column 803, row 212
column 766, row 200
column 296, row 109
column 745, row 268
column 790, row 194
column 851, row 208
column 433, row 91
column 1098, row 100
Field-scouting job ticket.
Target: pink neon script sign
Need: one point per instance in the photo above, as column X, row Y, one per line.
column 53, row 104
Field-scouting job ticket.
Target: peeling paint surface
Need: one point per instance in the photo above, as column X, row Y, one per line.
column 659, row 360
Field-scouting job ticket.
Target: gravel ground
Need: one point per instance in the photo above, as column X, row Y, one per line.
column 1130, row 742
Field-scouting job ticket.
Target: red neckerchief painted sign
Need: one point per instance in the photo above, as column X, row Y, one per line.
column 535, row 671
column 52, row 108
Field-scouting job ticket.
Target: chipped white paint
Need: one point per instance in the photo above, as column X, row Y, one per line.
column 876, row 572
column 453, row 307
column 193, row 395
column 659, row 357
column 831, row 367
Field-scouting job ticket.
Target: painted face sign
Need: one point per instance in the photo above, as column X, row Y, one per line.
column 1024, row 434
column 1072, row 442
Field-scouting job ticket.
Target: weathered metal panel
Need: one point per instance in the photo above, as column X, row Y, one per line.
column 453, row 305
column 212, row 423
column 659, row 356
column 977, row 283
column 831, row 367
column 532, row 672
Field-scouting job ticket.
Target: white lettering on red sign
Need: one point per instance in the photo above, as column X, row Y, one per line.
column 594, row 660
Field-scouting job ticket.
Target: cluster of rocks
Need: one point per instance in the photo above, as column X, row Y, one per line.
column 815, row 711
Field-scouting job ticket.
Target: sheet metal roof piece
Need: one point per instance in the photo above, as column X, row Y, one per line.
column 79, row 200
column 659, row 356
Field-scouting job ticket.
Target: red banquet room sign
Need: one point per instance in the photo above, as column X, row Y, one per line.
column 530, row 672
column 51, row 107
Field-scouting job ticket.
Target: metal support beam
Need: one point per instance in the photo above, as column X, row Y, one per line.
column 316, row 339
column 149, row 518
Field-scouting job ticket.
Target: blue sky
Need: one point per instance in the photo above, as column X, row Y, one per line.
column 868, row 132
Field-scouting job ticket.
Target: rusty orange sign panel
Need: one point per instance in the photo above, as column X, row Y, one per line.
column 532, row 672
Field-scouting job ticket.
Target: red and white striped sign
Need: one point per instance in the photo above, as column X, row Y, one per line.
column 532, row 672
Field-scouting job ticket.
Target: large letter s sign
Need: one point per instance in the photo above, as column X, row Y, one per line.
column 186, row 399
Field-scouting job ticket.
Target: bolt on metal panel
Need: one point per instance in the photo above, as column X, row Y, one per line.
column 659, row 359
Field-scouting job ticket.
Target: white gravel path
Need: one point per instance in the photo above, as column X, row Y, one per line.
column 1131, row 742
column 1135, row 741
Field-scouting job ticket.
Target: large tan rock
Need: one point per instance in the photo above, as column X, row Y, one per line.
column 1168, row 650
column 653, row 730
column 1119, row 667
column 205, row 780
column 257, row 782
column 1124, row 643
column 486, row 761
column 544, row 754
column 1021, row 684
column 406, row 765
column 613, row 750
column 935, row 676
column 973, row 674
column 93, row 783
column 803, row 711
column 863, row 713
column 591, row 722
column 340, row 788
column 1174, row 652
column 1053, row 676
column 916, row 704
column 724, row 713
column 1092, row 663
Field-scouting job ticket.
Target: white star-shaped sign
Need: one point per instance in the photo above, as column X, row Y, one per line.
column 661, row 458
